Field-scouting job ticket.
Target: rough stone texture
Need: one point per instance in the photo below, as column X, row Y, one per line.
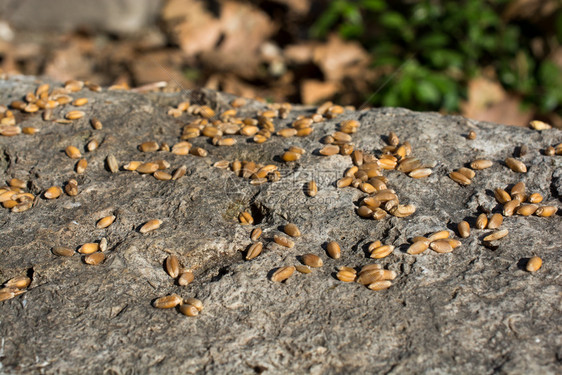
column 475, row 310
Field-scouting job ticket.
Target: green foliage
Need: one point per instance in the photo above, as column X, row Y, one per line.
column 435, row 47
column 191, row 74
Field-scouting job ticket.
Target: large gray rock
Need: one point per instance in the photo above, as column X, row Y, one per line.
column 475, row 310
column 117, row 16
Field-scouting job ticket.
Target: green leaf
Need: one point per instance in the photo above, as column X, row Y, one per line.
column 385, row 48
column 451, row 101
column 442, row 82
column 488, row 18
column 374, row 5
column 420, row 14
column 352, row 14
column 550, row 74
column 349, row 31
column 489, row 42
column 386, row 54
column 191, row 74
column 549, row 102
column 328, row 19
column 406, row 86
column 508, row 78
column 510, row 39
column 426, row 92
column 390, row 99
column 392, row 20
column 433, row 40
column 443, row 58
column 387, row 61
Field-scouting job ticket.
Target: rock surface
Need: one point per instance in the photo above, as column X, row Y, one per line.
column 475, row 310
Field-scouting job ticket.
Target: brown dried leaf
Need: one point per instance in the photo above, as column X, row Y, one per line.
column 191, row 25
column 337, row 56
column 488, row 101
column 314, row 91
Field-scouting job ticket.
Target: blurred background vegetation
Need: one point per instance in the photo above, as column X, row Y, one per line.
column 437, row 47
column 495, row 60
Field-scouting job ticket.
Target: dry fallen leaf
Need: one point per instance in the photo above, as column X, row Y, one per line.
column 336, row 57
column 530, row 9
column 488, row 101
column 244, row 28
column 231, row 84
column 314, row 91
column 191, row 25
column 301, row 53
column 297, row 6
column 160, row 65
column 68, row 63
